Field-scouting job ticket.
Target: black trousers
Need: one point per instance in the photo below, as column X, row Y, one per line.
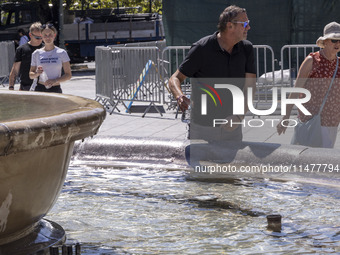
column 25, row 86
column 42, row 88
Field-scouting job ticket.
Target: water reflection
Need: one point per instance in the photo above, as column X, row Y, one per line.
column 153, row 211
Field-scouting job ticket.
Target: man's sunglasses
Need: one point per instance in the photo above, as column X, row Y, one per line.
column 36, row 37
column 245, row 23
column 47, row 26
column 335, row 41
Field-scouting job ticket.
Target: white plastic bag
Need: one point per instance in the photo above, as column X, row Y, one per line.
column 34, row 84
column 43, row 77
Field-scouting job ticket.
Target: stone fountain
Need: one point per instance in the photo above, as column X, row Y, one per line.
column 37, row 135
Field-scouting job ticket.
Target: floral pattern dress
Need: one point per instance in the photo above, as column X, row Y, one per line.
column 318, row 84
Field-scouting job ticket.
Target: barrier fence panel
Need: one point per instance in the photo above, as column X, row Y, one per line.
column 172, row 57
column 126, row 74
column 104, row 74
column 159, row 44
column 291, row 58
column 136, row 77
column 264, row 61
column 265, row 74
column 7, row 53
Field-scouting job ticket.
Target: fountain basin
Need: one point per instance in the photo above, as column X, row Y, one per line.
column 37, row 135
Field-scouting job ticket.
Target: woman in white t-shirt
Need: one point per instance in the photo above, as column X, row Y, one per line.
column 48, row 62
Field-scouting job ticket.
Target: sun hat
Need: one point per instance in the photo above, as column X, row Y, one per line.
column 331, row 31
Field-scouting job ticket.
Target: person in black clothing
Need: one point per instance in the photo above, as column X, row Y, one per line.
column 224, row 54
column 22, row 60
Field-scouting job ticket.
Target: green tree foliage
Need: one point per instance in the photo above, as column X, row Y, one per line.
column 156, row 5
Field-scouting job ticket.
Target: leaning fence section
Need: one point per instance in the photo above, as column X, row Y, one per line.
column 132, row 75
column 7, row 53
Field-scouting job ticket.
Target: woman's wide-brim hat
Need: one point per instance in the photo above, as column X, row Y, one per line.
column 331, row 31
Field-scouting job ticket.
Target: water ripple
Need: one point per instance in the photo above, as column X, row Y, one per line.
column 138, row 210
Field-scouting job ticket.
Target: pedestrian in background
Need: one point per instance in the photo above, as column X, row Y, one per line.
column 315, row 75
column 23, row 37
column 48, row 63
column 224, row 54
column 22, row 60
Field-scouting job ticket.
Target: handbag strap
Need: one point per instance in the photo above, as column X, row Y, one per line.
column 330, row 86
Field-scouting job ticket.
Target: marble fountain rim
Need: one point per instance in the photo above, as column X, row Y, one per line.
column 49, row 130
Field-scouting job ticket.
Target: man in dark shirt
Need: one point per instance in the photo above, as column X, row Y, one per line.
column 22, row 61
column 224, row 54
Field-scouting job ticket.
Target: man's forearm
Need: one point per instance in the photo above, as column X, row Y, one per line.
column 175, row 87
column 13, row 74
column 175, row 82
column 11, row 80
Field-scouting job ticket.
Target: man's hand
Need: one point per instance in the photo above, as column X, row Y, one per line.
column 183, row 102
column 279, row 128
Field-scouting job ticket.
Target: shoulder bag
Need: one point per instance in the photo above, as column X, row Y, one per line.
column 309, row 133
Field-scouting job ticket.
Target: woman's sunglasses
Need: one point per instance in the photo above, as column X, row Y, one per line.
column 335, row 41
column 47, row 26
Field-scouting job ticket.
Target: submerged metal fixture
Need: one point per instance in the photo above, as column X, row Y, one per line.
column 274, row 222
column 65, row 249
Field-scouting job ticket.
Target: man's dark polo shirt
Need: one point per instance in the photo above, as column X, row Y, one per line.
column 23, row 54
column 206, row 59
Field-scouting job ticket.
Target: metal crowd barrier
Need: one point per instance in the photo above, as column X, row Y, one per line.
column 265, row 63
column 126, row 74
column 131, row 74
column 104, row 76
column 172, row 57
column 291, row 58
column 7, row 53
column 159, row 44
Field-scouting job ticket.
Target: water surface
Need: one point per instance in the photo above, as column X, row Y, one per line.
column 150, row 210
